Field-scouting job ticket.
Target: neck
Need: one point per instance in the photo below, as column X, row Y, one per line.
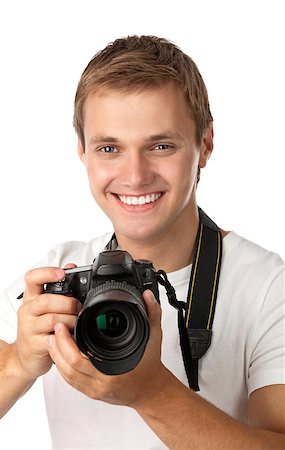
column 171, row 251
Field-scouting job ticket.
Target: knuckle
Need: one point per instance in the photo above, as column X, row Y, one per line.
column 29, row 276
column 22, row 311
column 70, row 305
column 66, row 305
column 51, row 321
column 74, row 362
column 69, row 374
column 43, row 302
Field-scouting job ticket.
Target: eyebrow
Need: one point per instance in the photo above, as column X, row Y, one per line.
column 164, row 136
column 167, row 135
column 102, row 139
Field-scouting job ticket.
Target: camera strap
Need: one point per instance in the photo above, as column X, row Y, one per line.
column 202, row 293
column 195, row 317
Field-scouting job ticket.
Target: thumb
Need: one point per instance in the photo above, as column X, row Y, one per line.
column 70, row 266
column 153, row 308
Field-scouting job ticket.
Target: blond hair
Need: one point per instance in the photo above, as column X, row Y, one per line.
column 143, row 62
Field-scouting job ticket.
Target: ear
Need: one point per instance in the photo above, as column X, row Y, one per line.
column 207, row 146
column 81, row 151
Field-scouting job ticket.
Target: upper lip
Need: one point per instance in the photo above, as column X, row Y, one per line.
column 138, row 195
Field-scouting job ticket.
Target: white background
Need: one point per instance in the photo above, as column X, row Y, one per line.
column 45, row 199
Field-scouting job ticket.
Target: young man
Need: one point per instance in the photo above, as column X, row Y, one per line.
column 144, row 132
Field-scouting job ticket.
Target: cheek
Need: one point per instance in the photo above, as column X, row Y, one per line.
column 98, row 179
column 183, row 172
column 98, row 174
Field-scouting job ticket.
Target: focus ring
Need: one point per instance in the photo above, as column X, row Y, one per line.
column 111, row 285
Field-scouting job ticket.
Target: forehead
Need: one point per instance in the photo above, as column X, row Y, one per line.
column 163, row 107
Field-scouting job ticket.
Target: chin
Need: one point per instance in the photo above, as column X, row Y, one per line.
column 137, row 234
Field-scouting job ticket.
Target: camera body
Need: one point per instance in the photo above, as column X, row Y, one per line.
column 112, row 327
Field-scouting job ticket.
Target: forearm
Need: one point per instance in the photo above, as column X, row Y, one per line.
column 182, row 419
column 14, row 382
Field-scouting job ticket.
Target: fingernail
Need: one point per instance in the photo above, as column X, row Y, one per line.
column 151, row 296
column 57, row 327
column 60, row 274
column 51, row 340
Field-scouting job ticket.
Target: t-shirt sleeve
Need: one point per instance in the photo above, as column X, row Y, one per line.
column 9, row 303
column 8, row 311
column 267, row 364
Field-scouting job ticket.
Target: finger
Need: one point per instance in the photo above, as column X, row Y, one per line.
column 36, row 278
column 68, row 367
column 45, row 324
column 153, row 308
column 54, row 303
column 68, row 355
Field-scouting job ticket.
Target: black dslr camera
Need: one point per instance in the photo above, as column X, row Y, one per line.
column 112, row 327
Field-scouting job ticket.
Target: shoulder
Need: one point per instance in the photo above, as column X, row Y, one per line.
column 252, row 278
column 240, row 254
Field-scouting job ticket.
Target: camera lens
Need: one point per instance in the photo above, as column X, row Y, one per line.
column 112, row 323
column 112, row 328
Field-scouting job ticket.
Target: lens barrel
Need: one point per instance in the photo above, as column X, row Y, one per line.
column 112, row 328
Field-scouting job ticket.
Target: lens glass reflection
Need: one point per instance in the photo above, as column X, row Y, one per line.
column 112, row 323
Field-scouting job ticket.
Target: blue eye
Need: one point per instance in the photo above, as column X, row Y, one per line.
column 162, row 147
column 108, row 149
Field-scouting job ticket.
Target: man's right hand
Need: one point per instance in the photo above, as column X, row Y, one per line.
column 37, row 317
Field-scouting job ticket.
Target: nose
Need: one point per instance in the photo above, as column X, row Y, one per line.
column 138, row 171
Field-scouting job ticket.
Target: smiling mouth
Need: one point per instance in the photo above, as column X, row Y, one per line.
column 138, row 200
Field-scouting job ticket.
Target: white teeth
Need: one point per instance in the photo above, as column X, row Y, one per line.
column 141, row 200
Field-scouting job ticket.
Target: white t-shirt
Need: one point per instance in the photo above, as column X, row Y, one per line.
column 247, row 350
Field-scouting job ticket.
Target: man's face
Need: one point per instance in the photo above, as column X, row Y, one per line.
column 142, row 159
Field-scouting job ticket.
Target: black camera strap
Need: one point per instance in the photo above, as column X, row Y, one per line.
column 195, row 317
column 202, row 292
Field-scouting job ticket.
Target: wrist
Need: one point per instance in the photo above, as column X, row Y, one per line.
column 156, row 399
column 15, row 368
column 12, row 377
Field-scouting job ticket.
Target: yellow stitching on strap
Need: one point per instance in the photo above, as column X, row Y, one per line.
column 194, row 275
column 215, row 281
